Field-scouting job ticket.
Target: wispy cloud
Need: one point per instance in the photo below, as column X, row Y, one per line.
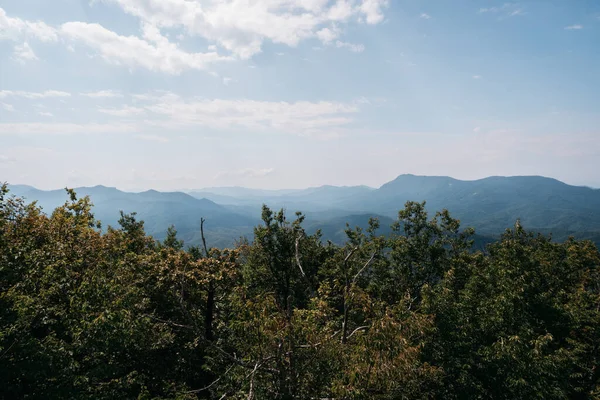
column 46, row 114
column 8, row 107
column 156, row 96
column 125, row 111
column 425, row 16
column 505, row 10
column 241, row 27
column 355, row 48
column 24, row 53
column 102, row 94
column 166, row 110
column 299, row 118
column 154, row 52
column 517, row 12
column 33, row 95
column 476, row 76
column 574, row 27
column 17, row 29
column 47, row 128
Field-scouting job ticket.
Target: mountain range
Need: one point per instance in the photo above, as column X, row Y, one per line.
column 490, row 205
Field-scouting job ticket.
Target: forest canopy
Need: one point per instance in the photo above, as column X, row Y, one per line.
column 87, row 313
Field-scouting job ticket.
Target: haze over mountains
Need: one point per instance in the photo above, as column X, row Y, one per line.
column 490, row 205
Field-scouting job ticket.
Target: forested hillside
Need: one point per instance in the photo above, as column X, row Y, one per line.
column 490, row 205
column 417, row 313
column 158, row 210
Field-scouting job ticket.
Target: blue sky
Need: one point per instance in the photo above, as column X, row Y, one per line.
column 182, row 94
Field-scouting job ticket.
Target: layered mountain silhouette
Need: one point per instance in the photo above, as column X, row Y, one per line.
column 489, row 205
column 158, row 210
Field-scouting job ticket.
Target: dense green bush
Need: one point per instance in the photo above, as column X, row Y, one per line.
column 418, row 314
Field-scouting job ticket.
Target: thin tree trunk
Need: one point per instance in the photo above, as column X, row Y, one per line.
column 210, row 297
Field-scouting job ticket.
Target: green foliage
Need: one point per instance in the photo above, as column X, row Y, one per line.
column 91, row 314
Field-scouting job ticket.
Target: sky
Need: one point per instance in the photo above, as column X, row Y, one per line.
column 186, row 94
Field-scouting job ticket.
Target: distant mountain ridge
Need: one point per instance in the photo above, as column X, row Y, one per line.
column 496, row 202
column 158, row 210
column 490, row 205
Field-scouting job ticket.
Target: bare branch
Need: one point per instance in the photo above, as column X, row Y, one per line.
column 298, row 257
column 364, row 267
column 251, row 391
column 9, row 347
column 245, row 364
column 249, row 375
column 167, row 322
column 350, row 255
column 312, row 291
column 360, row 328
column 213, row 383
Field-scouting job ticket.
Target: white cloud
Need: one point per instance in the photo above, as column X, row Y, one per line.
column 238, row 27
column 356, row 48
column 517, row 12
column 46, row 114
column 45, row 128
column 156, row 96
column 476, row 76
column 166, row 110
column 476, row 129
column 102, row 94
column 299, row 118
column 227, row 81
column 425, row 16
column 153, row 138
column 154, row 52
column 241, row 27
column 126, row 111
column 491, row 9
column 341, row 11
column 33, row 95
column 506, row 10
column 373, row 10
column 8, row 107
column 17, row 29
column 24, row 53
column 327, row 35
column 574, row 27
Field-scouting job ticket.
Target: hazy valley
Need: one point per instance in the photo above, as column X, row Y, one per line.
column 489, row 205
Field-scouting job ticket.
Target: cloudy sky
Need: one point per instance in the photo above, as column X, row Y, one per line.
column 179, row 94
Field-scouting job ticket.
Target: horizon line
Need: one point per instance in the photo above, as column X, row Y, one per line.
column 207, row 188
